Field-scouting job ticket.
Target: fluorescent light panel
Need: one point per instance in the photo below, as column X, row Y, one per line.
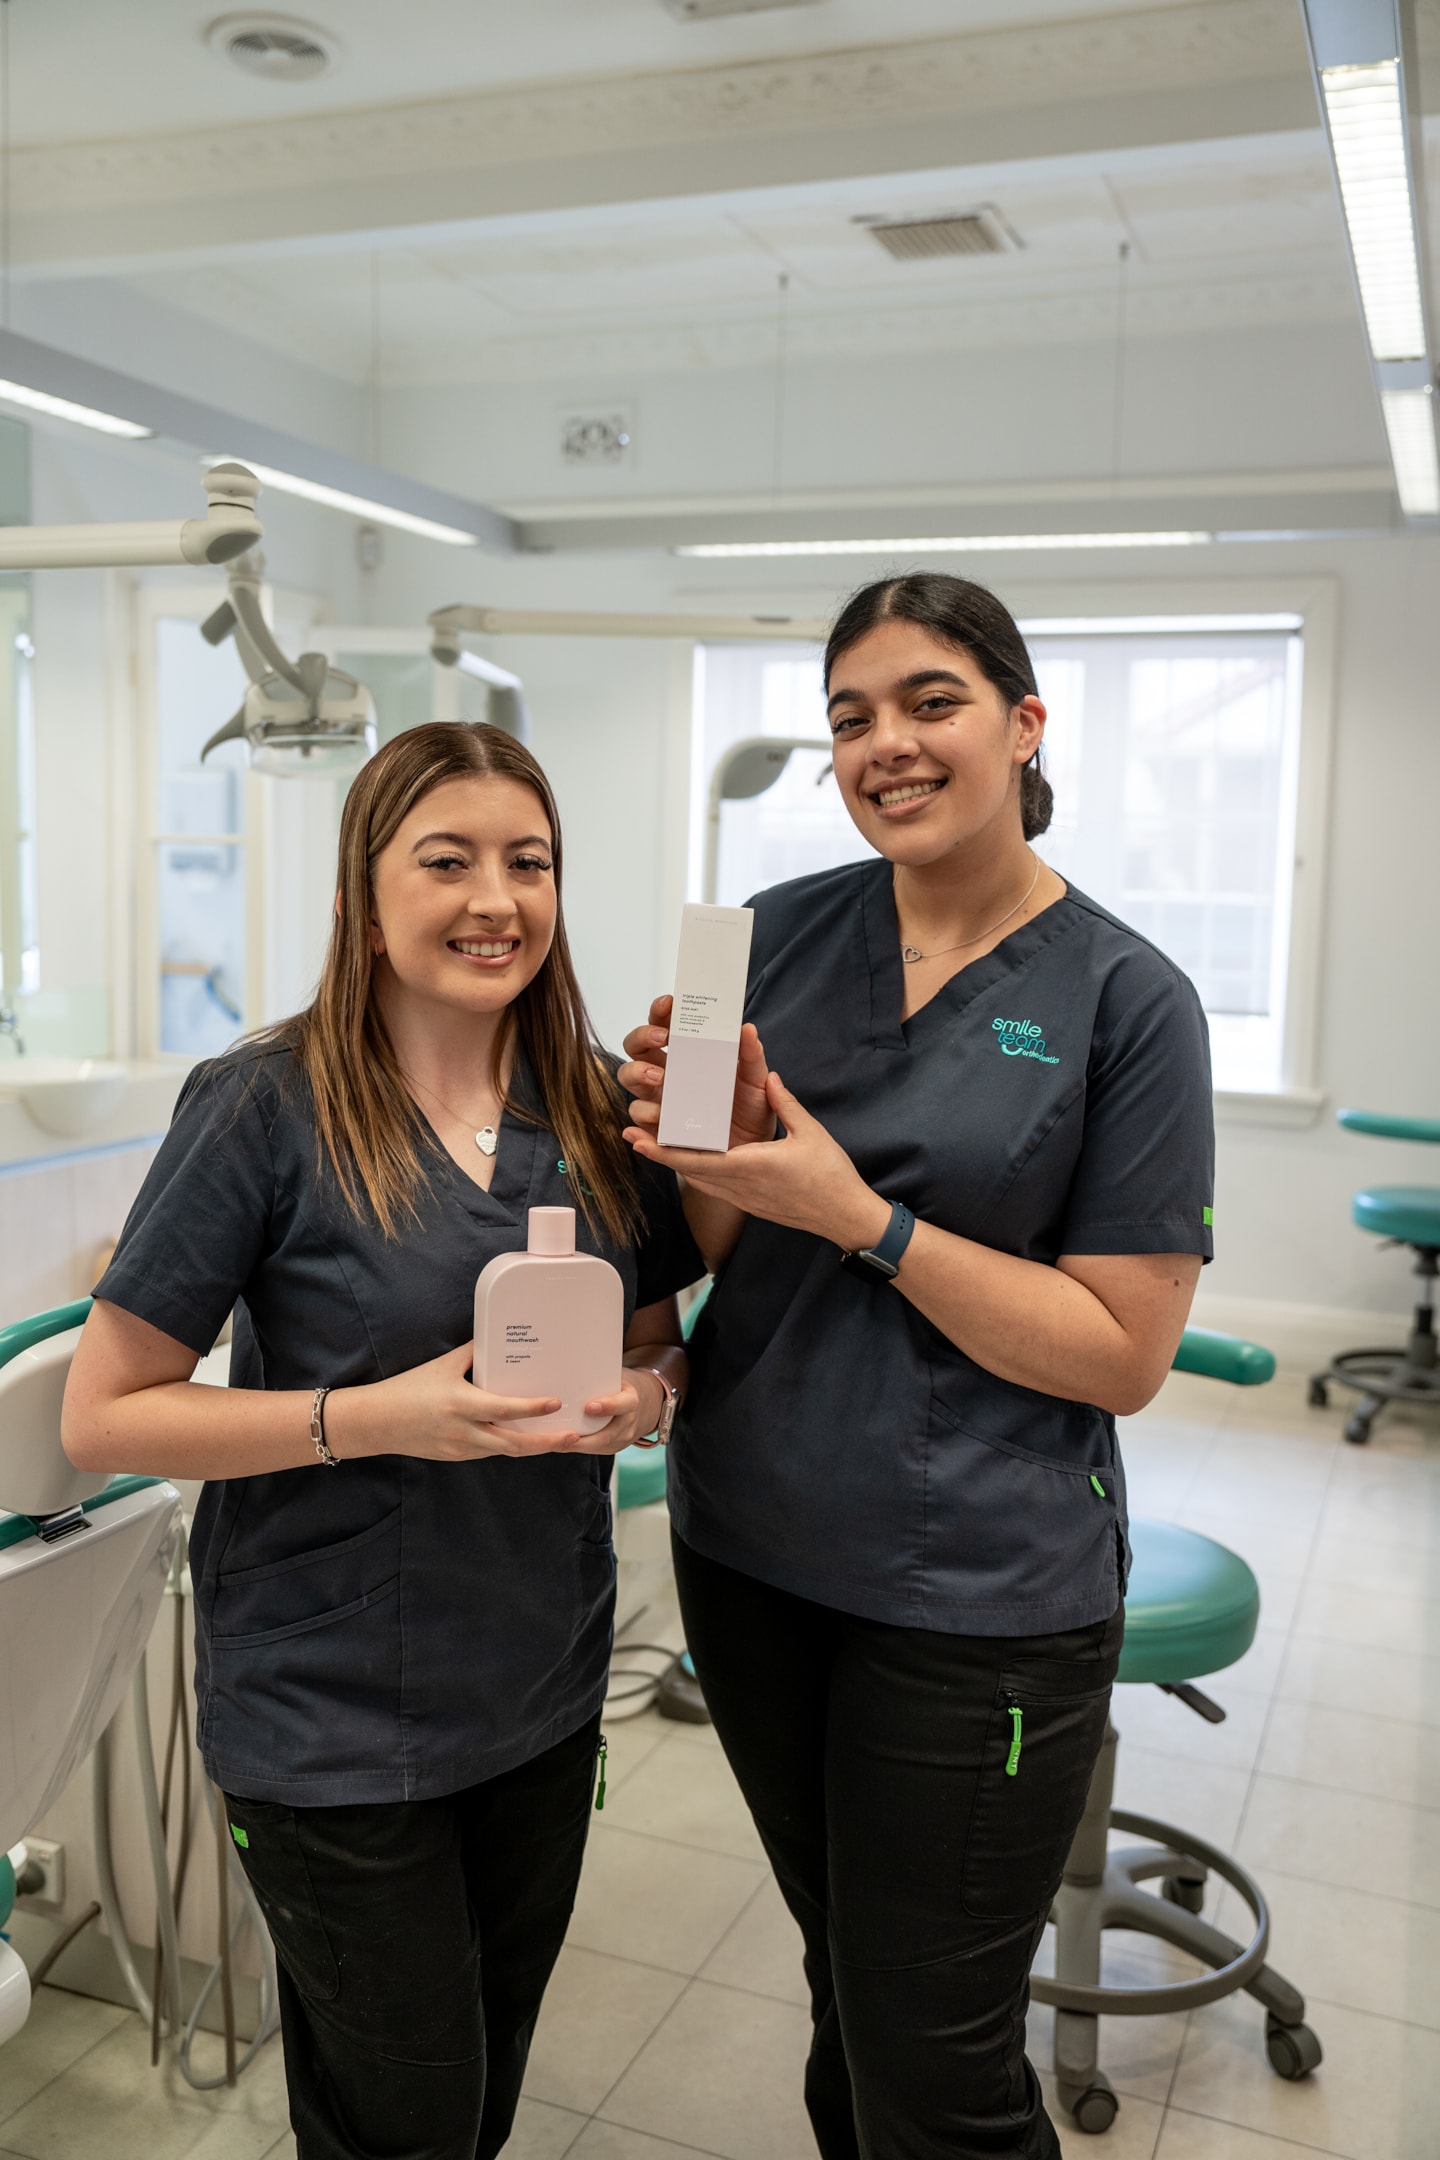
column 1367, row 130
column 1410, row 424
column 356, row 505
column 59, row 408
column 959, row 544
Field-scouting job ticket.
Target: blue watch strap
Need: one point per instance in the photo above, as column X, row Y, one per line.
column 883, row 1258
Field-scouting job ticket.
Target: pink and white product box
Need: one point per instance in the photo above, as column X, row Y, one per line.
column 705, row 1024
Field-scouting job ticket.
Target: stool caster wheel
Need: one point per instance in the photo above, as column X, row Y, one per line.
column 1357, row 1427
column 1294, row 2050
column 1318, row 1395
column 1186, row 1891
column 1095, row 2108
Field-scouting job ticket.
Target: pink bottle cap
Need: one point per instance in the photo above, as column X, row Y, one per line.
column 552, row 1231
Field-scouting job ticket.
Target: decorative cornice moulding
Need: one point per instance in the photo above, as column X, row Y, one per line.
column 1179, row 48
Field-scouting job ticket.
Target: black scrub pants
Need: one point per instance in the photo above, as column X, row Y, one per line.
column 414, row 1941
column 917, row 1846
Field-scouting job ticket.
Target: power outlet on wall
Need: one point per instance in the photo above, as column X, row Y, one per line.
column 41, row 1881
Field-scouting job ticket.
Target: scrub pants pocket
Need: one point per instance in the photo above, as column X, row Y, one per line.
column 270, row 1839
column 1046, row 1724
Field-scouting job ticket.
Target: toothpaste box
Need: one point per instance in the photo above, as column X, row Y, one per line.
column 705, row 1025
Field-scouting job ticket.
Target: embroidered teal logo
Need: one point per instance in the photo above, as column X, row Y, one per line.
column 1022, row 1038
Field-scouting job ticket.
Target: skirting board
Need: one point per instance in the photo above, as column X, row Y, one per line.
column 1303, row 1337
column 90, row 1967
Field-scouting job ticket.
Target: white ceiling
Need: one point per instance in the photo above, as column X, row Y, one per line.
column 695, row 283
column 146, row 65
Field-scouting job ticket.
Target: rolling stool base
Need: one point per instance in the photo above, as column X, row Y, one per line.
column 1100, row 1890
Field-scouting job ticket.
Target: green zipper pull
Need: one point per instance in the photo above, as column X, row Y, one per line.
column 1098, row 1486
column 601, row 1753
column 1017, row 1719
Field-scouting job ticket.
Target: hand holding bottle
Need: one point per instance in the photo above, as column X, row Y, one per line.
column 435, row 1412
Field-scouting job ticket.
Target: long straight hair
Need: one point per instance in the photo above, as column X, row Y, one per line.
column 366, row 1123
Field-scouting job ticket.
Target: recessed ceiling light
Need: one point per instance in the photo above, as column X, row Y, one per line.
column 954, row 544
column 279, row 48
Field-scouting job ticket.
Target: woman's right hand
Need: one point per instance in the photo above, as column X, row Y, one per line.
column 643, row 1078
column 436, row 1412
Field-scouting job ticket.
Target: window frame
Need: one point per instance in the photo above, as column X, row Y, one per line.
column 1298, row 1100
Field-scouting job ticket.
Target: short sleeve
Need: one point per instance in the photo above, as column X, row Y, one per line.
column 667, row 1258
column 1145, row 1178
column 198, row 1227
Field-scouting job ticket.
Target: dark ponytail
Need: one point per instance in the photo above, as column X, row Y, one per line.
column 970, row 617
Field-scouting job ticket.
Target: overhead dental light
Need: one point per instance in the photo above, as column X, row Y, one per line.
column 506, row 704
column 301, row 719
column 59, row 408
column 1364, row 78
column 745, row 770
column 227, row 529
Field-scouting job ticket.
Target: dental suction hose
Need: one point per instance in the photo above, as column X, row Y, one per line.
column 169, row 1980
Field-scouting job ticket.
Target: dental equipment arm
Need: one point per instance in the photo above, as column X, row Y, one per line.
column 227, row 529
column 299, row 716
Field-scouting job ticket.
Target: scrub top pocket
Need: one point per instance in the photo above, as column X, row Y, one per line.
column 1045, row 1730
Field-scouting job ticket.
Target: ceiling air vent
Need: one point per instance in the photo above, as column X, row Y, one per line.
column 972, row 232
column 279, row 48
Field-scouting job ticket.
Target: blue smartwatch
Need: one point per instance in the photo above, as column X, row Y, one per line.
column 880, row 1262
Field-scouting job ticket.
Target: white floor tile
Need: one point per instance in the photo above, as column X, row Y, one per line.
column 610, row 2141
column 1351, row 1840
column 1195, row 2137
column 1353, row 1751
column 59, row 2030
column 112, row 2106
column 725, row 2072
column 688, row 1795
column 1206, row 1798
column 656, row 1903
column 1132, row 2135
column 542, row 2133
column 1370, row 1619
column 1349, row 1947
column 1383, row 1683
column 762, row 1952
column 1376, row 2096
column 597, row 2015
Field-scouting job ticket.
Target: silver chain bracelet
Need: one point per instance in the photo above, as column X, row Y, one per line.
column 317, row 1429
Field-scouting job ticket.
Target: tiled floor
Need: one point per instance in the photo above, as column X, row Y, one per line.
column 676, row 2023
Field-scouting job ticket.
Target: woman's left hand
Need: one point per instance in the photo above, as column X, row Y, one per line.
column 804, row 1180
column 638, row 1398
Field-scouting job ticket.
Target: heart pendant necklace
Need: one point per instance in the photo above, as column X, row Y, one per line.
column 487, row 1139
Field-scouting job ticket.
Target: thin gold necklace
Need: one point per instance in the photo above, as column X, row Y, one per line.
column 487, row 1139
column 911, row 953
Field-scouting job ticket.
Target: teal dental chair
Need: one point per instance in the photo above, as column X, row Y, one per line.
column 1191, row 1609
column 1400, row 1215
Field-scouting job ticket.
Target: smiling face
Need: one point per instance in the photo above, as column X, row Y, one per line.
column 464, row 906
column 928, row 752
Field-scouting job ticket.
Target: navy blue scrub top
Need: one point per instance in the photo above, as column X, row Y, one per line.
column 392, row 1629
column 1052, row 1098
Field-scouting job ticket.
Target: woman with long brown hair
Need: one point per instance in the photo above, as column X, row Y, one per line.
column 403, row 1602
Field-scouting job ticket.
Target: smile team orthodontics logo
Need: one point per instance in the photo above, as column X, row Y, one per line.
column 1022, row 1038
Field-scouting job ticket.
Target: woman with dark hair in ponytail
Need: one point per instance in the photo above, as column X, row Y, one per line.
column 950, row 1246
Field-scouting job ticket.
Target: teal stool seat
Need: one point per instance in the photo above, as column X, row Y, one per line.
column 1401, row 1215
column 1408, row 1213
column 1382, row 1126
column 639, row 1476
column 1192, row 1606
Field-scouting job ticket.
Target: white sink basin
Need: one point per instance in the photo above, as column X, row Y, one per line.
column 66, row 1095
